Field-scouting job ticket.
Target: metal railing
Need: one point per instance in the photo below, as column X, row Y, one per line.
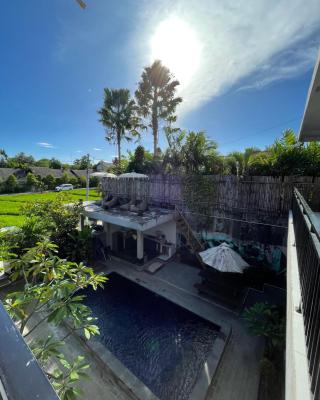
column 307, row 236
column 21, row 377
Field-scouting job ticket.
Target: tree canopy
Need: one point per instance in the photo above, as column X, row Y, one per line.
column 118, row 115
column 156, row 97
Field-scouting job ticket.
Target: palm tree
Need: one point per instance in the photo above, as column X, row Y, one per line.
column 3, row 157
column 156, row 97
column 243, row 160
column 119, row 117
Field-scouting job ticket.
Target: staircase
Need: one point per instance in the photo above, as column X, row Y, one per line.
column 186, row 230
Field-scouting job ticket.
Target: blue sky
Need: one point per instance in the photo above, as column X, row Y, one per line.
column 244, row 68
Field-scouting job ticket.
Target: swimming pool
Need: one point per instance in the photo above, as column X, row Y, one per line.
column 161, row 343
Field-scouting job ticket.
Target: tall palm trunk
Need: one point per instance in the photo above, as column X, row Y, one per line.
column 119, row 149
column 155, row 134
column 155, row 124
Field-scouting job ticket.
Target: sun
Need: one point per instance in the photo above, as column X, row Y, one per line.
column 175, row 43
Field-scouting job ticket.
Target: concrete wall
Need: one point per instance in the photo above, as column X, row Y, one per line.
column 168, row 229
column 297, row 376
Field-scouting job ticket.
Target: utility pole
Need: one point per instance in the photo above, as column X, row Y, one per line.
column 87, row 180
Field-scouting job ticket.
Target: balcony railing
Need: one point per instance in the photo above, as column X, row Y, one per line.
column 306, row 227
column 21, row 377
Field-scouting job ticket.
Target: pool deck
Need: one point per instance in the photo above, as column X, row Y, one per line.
column 237, row 375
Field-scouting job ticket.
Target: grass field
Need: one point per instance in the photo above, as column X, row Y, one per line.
column 10, row 204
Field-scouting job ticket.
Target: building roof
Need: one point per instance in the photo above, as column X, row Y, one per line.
column 310, row 126
column 153, row 217
column 80, row 172
column 44, row 171
column 6, row 172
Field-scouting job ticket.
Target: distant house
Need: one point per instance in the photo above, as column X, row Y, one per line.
column 78, row 173
column 43, row 172
column 6, row 172
column 103, row 166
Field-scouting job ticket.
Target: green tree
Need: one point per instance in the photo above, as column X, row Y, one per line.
column 51, row 219
column 156, row 97
column 83, row 162
column 43, row 162
column 118, row 116
column 49, row 182
column 265, row 320
column 240, row 161
column 140, row 161
column 11, row 183
column 3, row 158
column 32, row 181
column 21, row 160
column 196, row 152
column 173, row 156
column 82, row 181
column 55, row 164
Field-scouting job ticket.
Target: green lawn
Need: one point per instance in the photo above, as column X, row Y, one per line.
column 10, row 204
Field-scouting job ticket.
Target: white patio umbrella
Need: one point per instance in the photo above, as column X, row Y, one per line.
column 103, row 175
column 224, row 259
column 133, row 175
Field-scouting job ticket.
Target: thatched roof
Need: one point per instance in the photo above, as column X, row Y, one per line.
column 6, row 172
column 44, row 171
column 80, row 172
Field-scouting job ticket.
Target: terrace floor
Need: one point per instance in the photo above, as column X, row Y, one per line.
column 237, row 377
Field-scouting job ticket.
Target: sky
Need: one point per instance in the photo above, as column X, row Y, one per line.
column 244, row 69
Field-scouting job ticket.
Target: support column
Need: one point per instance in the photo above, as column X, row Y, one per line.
column 82, row 220
column 139, row 245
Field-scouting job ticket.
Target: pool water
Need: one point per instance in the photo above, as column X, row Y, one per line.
column 161, row 343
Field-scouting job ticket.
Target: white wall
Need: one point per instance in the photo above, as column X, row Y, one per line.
column 297, row 376
column 168, row 229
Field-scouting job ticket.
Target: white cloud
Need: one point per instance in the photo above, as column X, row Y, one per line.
column 248, row 44
column 96, row 149
column 79, row 151
column 46, row 145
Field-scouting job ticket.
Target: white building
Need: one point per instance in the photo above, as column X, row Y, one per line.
column 303, row 275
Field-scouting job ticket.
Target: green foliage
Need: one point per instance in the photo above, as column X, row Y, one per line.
column 49, row 182
column 198, row 191
column 156, row 97
column 56, row 220
column 191, row 153
column 43, row 162
column 82, row 181
column 64, row 379
column 93, row 181
column 82, row 163
column 11, row 183
column 3, row 158
column 239, row 162
column 55, row 164
column 79, row 246
column 198, row 153
column 140, row 161
column 21, row 160
column 118, row 115
column 266, row 321
column 32, row 181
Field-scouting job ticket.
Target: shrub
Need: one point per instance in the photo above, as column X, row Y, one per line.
column 11, row 184
column 49, row 182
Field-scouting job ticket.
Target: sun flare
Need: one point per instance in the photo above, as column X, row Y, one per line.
column 175, row 43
